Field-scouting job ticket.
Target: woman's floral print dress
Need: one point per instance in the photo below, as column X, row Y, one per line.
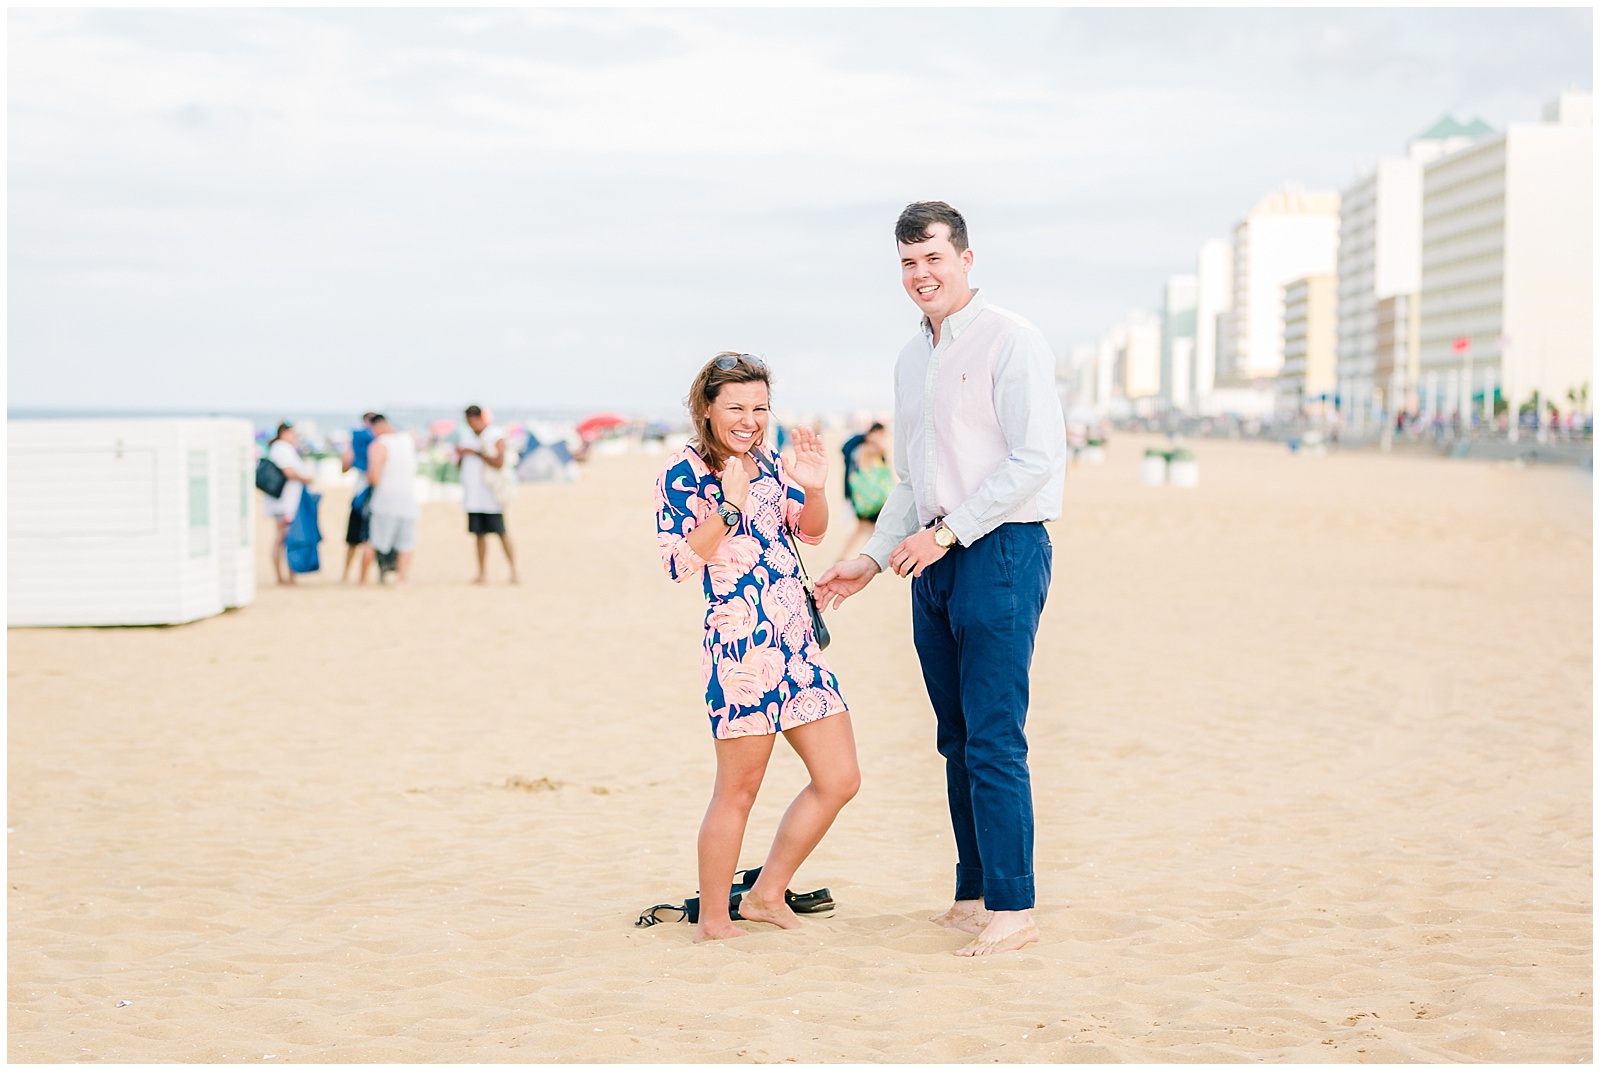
column 763, row 670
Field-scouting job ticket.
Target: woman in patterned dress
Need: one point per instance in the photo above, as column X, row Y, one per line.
column 726, row 511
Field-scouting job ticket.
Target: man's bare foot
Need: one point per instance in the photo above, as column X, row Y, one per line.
column 1007, row 931
column 716, row 931
column 968, row 915
column 778, row 914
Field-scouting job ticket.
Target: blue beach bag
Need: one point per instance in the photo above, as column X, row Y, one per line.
column 301, row 542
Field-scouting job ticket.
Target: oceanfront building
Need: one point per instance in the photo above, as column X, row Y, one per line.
column 1507, row 267
column 1305, row 383
column 1213, row 296
column 1075, row 381
column 1289, row 234
column 1380, row 260
column 1177, row 342
column 1140, row 359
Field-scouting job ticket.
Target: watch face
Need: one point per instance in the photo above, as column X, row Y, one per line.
column 944, row 537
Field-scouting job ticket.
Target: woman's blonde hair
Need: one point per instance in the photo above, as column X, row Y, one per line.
column 703, row 392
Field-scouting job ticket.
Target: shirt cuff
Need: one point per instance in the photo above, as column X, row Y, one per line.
column 879, row 548
column 967, row 531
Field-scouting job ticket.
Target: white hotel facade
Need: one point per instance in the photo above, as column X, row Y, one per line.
column 1507, row 265
column 1289, row 234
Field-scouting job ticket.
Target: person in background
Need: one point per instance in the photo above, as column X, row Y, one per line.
column 868, row 480
column 393, row 511
column 355, row 457
column 283, row 451
column 781, row 439
column 484, row 448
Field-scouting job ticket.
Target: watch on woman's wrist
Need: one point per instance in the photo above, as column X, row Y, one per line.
column 729, row 513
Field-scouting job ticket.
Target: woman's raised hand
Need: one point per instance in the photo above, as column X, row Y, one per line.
column 735, row 481
column 810, row 468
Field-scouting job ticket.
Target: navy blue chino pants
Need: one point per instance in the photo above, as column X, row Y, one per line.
column 974, row 613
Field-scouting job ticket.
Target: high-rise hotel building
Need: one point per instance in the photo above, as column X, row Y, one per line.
column 1289, row 234
column 1380, row 273
column 1507, row 265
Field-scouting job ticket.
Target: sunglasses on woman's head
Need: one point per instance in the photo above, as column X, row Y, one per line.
column 728, row 362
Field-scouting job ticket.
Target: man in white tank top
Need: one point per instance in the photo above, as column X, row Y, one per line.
column 392, row 471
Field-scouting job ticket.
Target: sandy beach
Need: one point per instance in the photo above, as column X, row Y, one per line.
column 1312, row 761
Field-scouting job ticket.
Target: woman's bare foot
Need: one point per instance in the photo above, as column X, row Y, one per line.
column 716, row 931
column 1007, row 931
column 778, row 914
column 967, row 915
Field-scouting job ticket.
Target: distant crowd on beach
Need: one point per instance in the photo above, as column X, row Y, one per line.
column 386, row 460
column 381, row 530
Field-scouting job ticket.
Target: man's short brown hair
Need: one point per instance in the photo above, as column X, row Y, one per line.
column 916, row 224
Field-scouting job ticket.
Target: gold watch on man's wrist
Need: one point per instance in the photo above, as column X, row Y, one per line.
column 943, row 536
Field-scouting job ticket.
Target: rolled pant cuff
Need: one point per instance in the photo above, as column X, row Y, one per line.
column 1008, row 894
column 969, row 883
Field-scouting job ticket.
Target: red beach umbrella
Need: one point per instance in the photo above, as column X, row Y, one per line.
column 591, row 427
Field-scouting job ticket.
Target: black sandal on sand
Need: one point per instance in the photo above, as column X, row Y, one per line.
column 816, row 902
column 652, row 915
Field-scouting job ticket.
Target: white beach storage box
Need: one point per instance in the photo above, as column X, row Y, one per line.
column 115, row 522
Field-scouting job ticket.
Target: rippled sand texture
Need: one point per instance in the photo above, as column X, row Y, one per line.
column 1311, row 753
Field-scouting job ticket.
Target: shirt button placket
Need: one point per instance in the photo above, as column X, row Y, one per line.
column 930, row 448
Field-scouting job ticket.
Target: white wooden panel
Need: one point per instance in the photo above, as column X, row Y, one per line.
column 82, row 491
column 117, row 522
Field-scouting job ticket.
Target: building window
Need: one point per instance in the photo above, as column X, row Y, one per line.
column 199, row 503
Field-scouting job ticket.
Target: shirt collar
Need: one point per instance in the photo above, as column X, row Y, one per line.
column 957, row 322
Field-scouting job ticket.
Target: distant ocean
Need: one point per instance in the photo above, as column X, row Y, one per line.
column 319, row 420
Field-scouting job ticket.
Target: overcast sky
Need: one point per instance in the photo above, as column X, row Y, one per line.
column 314, row 209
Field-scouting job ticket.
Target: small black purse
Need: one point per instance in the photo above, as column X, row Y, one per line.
column 818, row 626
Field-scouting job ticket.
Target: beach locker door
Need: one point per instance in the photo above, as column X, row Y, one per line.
column 235, row 511
column 197, row 510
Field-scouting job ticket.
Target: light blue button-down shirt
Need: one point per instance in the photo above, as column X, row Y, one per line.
column 979, row 437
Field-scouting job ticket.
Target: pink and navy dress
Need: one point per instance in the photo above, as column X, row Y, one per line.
column 763, row 670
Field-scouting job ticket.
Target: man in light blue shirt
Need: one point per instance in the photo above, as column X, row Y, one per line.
column 980, row 449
